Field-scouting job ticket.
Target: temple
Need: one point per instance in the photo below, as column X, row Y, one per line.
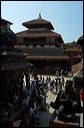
column 43, row 46
column 13, row 65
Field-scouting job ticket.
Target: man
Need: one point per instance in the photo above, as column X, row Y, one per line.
column 56, row 86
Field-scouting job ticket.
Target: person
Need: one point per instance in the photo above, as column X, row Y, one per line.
column 63, row 83
column 41, row 101
column 61, row 72
column 49, row 79
column 40, row 77
column 73, row 79
column 47, row 82
column 56, row 86
column 26, row 81
column 34, row 114
column 70, row 67
column 67, row 102
column 52, row 86
column 43, row 80
column 81, row 96
column 57, row 73
column 60, row 86
column 15, row 98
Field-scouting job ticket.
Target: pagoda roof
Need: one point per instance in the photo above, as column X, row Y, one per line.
column 12, row 49
column 44, row 53
column 5, row 21
column 8, row 37
column 47, row 58
column 15, row 66
column 12, row 52
column 39, row 33
column 37, row 22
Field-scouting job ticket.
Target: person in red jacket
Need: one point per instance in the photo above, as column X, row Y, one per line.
column 81, row 96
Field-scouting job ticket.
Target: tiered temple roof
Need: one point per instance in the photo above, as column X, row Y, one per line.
column 44, row 54
column 39, row 30
column 8, row 38
column 38, row 23
column 39, row 33
column 11, row 58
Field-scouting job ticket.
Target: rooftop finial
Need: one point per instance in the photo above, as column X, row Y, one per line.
column 40, row 16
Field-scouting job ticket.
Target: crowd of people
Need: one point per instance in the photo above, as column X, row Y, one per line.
column 67, row 99
column 57, row 85
column 39, row 86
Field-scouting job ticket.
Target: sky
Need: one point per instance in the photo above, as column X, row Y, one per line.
column 65, row 16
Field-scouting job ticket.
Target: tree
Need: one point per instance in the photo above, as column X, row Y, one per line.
column 70, row 45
